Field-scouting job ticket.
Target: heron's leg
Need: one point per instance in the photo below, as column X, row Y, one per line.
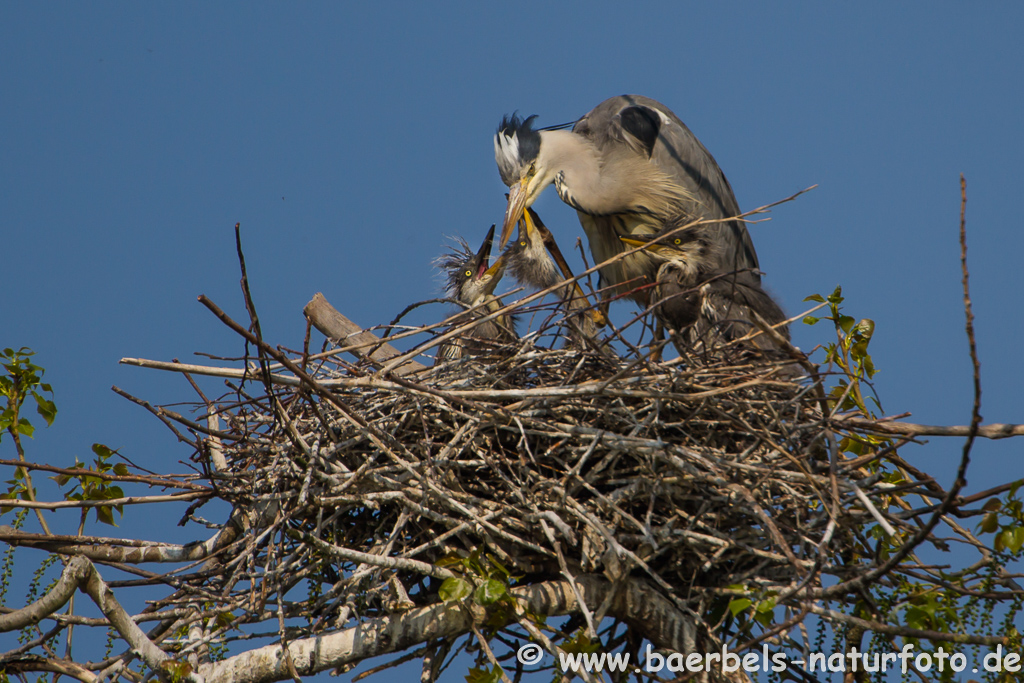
column 658, row 341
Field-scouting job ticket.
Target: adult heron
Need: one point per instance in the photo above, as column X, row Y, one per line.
column 471, row 282
column 628, row 167
column 705, row 305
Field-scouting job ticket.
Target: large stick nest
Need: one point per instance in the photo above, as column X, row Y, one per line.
column 698, row 474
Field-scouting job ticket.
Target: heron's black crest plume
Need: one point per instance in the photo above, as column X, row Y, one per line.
column 513, row 126
column 560, row 126
column 516, row 144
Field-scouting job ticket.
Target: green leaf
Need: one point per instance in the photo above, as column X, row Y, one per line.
column 177, row 670
column 811, row 320
column 25, row 427
column 451, row 560
column 927, row 603
column 1014, row 539
column 866, row 328
column 105, row 514
column 496, row 563
column 739, row 605
column 918, row 618
column 224, row 619
column 490, row 591
column 989, row 523
column 818, row 298
column 121, row 469
column 483, row 675
column 455, row 588
column 581, row 643
column 45, row 408
column 992, row 505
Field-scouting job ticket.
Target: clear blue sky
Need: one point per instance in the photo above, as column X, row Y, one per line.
column 348, row 139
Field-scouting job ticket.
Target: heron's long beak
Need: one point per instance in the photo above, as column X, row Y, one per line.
column 650, row 246
column 516, row 206
column 632, row 241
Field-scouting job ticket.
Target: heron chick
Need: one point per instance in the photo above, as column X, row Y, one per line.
column 531, row 264
column 471, row 282
column 693, row 297
column 627, row 167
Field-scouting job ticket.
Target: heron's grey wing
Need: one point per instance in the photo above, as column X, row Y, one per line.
column 679, row 154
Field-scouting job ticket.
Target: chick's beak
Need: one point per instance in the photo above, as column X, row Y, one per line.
column 494, row 273
column 484, row 254
column 516, row 205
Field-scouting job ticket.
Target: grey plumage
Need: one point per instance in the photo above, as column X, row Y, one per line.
column 628, row 167
column 471, row 282
column 528, row 259
column 694, row 297
column 535, row 260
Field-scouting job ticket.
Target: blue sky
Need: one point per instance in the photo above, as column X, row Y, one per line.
column 349, row 139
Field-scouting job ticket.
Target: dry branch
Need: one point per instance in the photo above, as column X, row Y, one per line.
column 989, row 431
column 352, row 338
column 636, row 603
column 81, row 574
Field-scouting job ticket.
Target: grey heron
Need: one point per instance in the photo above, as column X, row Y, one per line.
column 703, row 304
column 628, row 168
column 471, row 282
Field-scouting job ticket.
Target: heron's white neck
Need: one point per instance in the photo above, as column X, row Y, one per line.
column 583, row 182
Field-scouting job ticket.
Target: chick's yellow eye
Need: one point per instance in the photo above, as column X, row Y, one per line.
column 678, row 241
column 469, row 273
column 522, row 244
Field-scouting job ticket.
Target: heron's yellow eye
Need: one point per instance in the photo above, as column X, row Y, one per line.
column 469, row 273
column 678, row 241
column 522, row 244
